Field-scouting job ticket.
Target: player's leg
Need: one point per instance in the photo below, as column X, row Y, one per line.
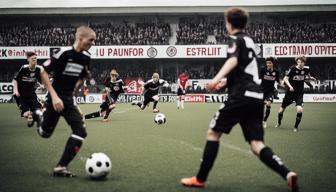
column 285, row 103
column 267, row 112
column 103, row 108
column 254, row 134
column 74, row 143
column 182, row 101
column 299, row 112
column 179, row 97
column 34, row 105
column 47, row 121
column 108, row 111
column 222, row 122
column 155, row 99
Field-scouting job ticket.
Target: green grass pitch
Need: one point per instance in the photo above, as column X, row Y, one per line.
column 148, row 157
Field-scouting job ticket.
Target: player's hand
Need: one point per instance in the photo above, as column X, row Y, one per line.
column 216, row 86
column 291, row 89
column 16, row 93
column 57, row 104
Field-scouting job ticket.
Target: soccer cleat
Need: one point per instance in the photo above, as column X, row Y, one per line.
column 295, row 130
column 105, row 120
column 156, row 110
column 277, row 125
column 63, row 172
column 292, row 181
column 264, row 124
column 192, row 182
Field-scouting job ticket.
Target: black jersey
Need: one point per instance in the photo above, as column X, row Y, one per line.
column 268, row 78
column 68, row 67
column 116, row 87
column 243, row 81
column 296, row 78
column 153, row 87
column 27, row 79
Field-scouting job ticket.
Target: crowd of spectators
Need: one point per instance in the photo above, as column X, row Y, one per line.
column 28, row 34
column 189, row 31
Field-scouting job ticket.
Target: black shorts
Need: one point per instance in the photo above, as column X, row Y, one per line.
column 70, row 113
column 248, row 114
column 180, row 92
column 290, row 98
column 108, row 101
column 28, row 104
column 148, row 96
column 269, row 95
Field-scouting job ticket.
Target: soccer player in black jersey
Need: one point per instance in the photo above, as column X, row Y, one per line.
column 269, row 75
column 151, row 92
column 24, row 87
column 113, row 86
column 244, row 104
column 70, row 66
column 294, row 80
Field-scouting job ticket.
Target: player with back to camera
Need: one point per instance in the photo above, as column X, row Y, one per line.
column 244, row 105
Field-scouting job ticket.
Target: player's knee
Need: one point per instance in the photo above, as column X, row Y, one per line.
column 299, row 109
column 256, row 146
column 112, row 106
column 213, row 135
column 81, row 133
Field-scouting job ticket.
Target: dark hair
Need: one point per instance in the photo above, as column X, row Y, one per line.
column 30, row 53
column 271, row 59
column 237, row 17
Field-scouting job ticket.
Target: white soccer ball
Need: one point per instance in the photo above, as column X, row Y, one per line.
column 98, row 166
column 160, row 118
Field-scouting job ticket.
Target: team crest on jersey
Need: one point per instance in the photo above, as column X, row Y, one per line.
column 232, row 48
column 302, row 72
column 267, row 73
column 116, row 88
column 273, row 73
column 32, row 74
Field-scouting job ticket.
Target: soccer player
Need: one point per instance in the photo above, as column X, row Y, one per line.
column 114, row 86
column 244, row 104
column 294, row 80
column 70, row 66
column 151, row 92
column 24, row 87
column 181, row 91
column 268, row 76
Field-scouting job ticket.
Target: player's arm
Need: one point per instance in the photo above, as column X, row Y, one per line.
column 56, row 101
column 15, row 83
column 77, row 87
column 286, row 81
column 179, row 83
column 228, row 66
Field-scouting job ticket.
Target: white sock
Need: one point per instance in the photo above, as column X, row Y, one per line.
column 182, row 104
column 178, row 103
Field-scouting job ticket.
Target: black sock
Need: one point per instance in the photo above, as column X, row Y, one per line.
column 298, row 119
column 273, row 161
column 71, row 149
column 154, row 105
column 280, row 115
column 108, row 111
column 92, row 115
column 208, row 159
column 268, row 110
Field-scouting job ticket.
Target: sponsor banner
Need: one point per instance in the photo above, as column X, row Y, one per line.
column 90, row 98
column 198, row 83
column 6, row 88
column 293, row 50
column 20, row 52
column 158, row 51
column 134, row 85
column 5, row 98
